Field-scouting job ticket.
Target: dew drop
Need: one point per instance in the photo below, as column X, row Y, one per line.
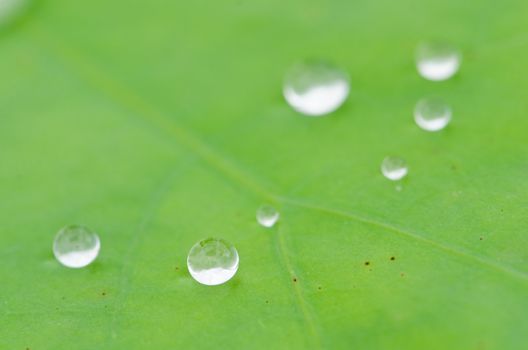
column 437, row 61
column 267, row 216
column 212, row 261
column 76, row 246
column 432, row 114
column 394, row 168
column 315, row 88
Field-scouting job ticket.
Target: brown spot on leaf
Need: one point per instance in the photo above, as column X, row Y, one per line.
column 367, row 263
column 294, row 279
column 393, row 258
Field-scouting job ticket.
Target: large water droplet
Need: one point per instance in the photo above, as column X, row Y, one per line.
column 432, row 114
column 267, row 216
column 437, row 61
column 315, row 88
column 9, row 9
column 76, row 246
column 394, row 168
column 212, row 261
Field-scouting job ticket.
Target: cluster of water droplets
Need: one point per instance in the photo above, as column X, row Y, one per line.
column 434, row 62
column 211, row 261
column 313, row 88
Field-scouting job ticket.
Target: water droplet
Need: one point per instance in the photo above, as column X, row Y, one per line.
column 9, row 9
column 394, row 168
column 267, row 216
column 315, row 88
column 212, row 261
column 437, row 61
column 76, row 246
column 432, row 114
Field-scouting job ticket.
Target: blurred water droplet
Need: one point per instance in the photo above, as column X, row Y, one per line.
column 212, row 261
column 9, row 9
column 394, row 168
column 267, row 216
column 437, row 61
column 432, row 114
column 315, row 88
column 76, row 246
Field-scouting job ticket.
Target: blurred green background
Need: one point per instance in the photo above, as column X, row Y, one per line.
column 159, row 123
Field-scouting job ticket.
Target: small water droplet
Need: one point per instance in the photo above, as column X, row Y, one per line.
column 394, row 168
column 267, row 216
column 76, row 246
column 432, row 114
column 212, row 261
column 315, row 88
column 437, row 61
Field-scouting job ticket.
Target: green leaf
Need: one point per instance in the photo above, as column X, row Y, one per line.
column 159, row 123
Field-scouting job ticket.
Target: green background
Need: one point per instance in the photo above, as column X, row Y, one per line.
column 159, row 123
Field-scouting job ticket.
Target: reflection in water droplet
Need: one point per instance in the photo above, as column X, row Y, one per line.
column 76, row 246
column 315, row 88
column 394, row 168
column 432, row 114
column 437, row 61
column 267, row 216
column 212, row 261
